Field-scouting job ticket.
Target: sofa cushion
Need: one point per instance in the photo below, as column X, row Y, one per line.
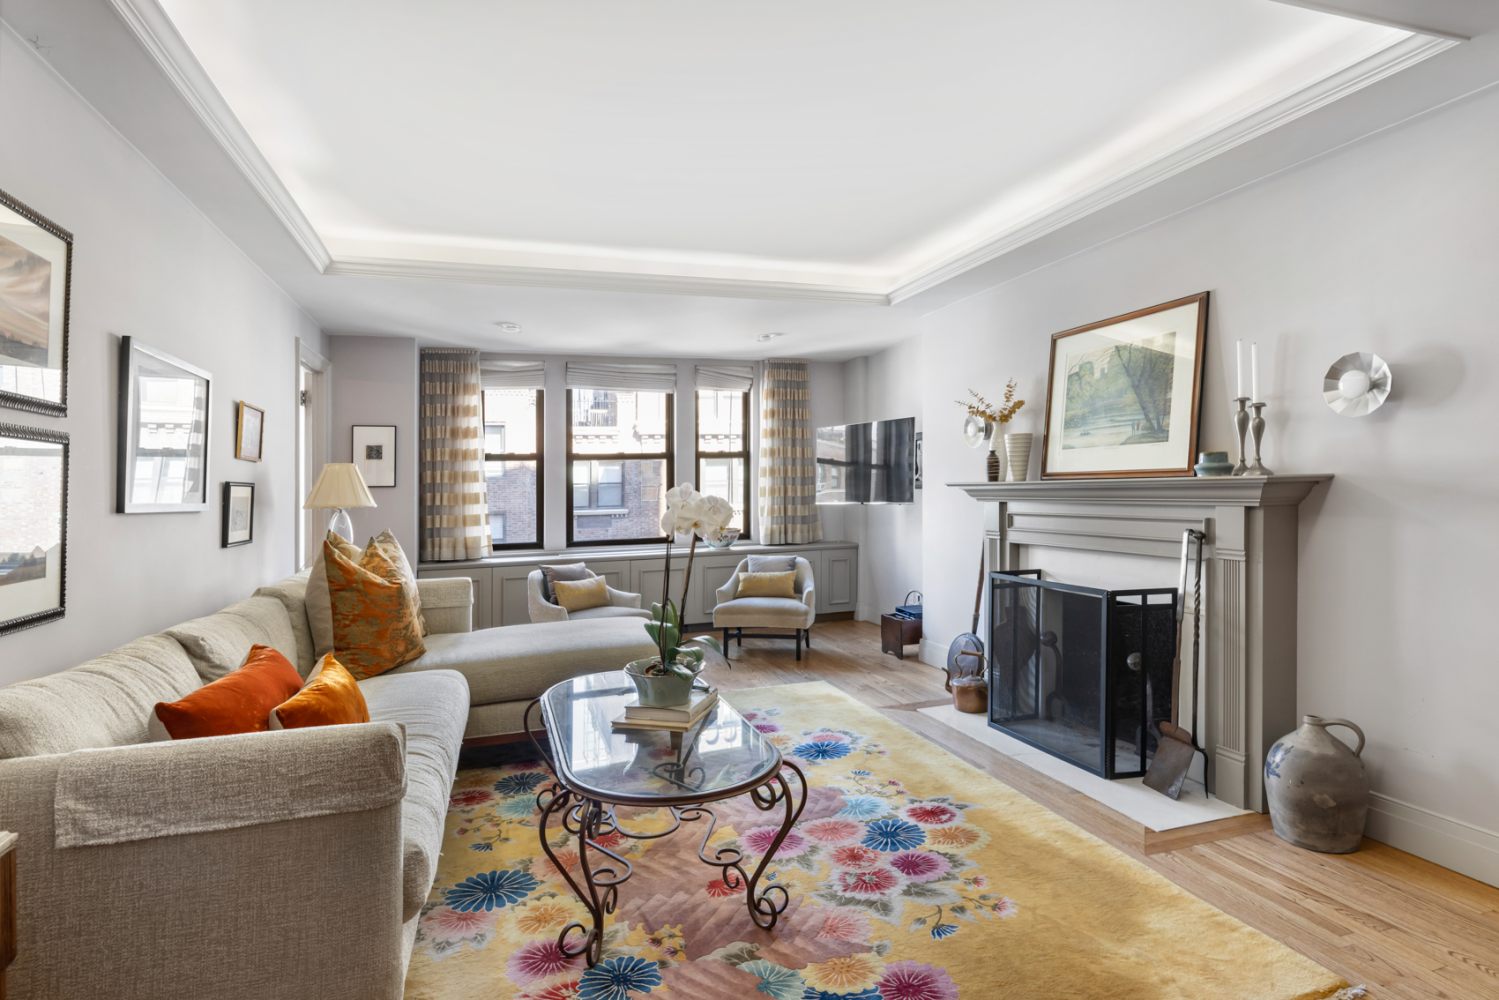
column 331, row 697
column 220, row 642
column 102, row 703
column 433, row 708
column 375, row 625
column 292, row 593
column 522, row 661
column 239, row 702
column 319, row 601
column 763, row 612
column 609, row 611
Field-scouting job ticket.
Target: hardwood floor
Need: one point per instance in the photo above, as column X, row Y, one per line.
column 1382, row 918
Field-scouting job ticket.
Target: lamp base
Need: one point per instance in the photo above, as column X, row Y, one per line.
column 342, row 525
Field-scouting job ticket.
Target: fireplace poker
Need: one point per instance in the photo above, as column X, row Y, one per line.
column 1177, row 747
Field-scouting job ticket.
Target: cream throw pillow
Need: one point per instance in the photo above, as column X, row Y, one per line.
column 319, row 603
column 767, row 585
column 582, row 594
column 397, row 555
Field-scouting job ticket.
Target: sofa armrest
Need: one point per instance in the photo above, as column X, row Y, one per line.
column 447, row 604
column 621, row 599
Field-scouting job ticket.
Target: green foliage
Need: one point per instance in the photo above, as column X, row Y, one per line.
column 684, row 659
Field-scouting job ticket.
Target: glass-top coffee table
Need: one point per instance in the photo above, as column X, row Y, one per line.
column 598, row 768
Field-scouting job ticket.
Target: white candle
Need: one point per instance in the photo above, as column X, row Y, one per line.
column 1254, row 371
column 1239, row 370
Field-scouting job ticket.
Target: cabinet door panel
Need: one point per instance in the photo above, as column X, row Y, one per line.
column 511, row 604
column 648, row 575
column 838, row 588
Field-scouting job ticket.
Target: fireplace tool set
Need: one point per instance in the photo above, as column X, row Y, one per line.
column 1177, row 746
column 966, row 672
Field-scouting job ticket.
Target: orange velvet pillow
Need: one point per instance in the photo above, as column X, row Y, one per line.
column 239, row 702
column 331, row 697
column 375, row 623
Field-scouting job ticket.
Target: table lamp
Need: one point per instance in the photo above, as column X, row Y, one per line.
column 339, row 486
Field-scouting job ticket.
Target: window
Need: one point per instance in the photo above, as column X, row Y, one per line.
column 723, row 448
column 513, row 467
column 619, row 465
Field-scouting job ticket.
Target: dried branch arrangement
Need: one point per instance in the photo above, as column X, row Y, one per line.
column 985, row 410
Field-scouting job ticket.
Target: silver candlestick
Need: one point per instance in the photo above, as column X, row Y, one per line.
column 1241, row 422
column 1257, row 428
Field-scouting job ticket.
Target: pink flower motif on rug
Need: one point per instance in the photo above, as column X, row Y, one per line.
column 758, row 841
column 1005, row 908
column 825, row 736
column 538, row 959
column 920, row 866
column 563, row 986
column 467, row 798
column 834, row 831
column 612, row 841
column 913, row 981
column 931, row 814
column 767, row 727
column 447, row 924
column 843, row 924
column 544, row 869
column 855, row 856
column 867, row 882
column 718, row 888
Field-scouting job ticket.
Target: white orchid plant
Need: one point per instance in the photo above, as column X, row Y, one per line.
column 687, row 512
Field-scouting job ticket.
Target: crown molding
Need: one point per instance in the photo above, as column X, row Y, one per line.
column 156, row 33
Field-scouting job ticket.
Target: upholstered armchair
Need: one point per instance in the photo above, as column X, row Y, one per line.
column 621, row 604
column 735, row 614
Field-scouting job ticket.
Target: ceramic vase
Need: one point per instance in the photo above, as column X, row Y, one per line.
column 995, row 465
column 1317, row 787
column 666, row 691
column 1018, row 455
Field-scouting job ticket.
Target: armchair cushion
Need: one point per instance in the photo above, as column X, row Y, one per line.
column 567, row 571
column 767, row 584
column 581, row 595
column 764, row 612
column 770, row 564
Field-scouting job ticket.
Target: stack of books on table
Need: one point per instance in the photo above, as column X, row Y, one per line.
column 675, row 718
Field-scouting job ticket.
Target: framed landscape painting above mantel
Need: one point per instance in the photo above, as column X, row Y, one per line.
column 1123, row 395
column 36, row 261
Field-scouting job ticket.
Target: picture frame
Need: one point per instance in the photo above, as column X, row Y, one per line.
column 238, row 515
column 33, row 526
column 163, row 432
column 374, row 451
column 249, row 433
column 1123, row 395
column 36, row 277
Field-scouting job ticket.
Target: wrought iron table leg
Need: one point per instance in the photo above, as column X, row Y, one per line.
column 585, row 819
column 764, row 908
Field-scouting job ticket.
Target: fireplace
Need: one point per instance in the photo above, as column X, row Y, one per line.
column 1080, row 673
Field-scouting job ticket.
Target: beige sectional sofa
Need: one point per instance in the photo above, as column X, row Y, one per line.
column 283, row 864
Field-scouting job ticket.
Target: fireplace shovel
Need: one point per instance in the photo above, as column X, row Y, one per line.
column 1176, row 748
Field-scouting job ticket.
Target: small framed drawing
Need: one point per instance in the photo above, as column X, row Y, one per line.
column 239, row 514
column 162, row 463
column 1123, row 394
column 375, row 454
column 36, row 266
column 251, row 432
column 33, row 526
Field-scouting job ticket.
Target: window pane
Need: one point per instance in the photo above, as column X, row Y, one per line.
column 509, row 421
column 724, row 477
column 632, row 510
column 605, row 422
column 720, row 420
column 512, row 501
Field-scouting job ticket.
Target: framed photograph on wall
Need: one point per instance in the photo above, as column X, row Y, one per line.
column 33, row 526
column 162, row 463
column 36, row 264
column 250, row 433
column 1123, row 394
column 375, row 454
column 239, row 514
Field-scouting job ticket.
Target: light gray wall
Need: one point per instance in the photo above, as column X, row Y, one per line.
column 1388, row 245
column 376, row 380
column 148, row 264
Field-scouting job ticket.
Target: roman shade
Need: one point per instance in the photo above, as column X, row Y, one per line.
column 736, row 378
column 495, row 373
column 611, row 375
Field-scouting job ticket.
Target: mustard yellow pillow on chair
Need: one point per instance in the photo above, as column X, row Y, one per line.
column 767, row 585
column 580, row 595
column 375, row 625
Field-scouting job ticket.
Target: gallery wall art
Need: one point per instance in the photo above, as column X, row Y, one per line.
column 162, row 461
column 250, row 433
column 1123, row 394
column 374, row 449
column 33, row 526
column 239, row 514
column 36, row 260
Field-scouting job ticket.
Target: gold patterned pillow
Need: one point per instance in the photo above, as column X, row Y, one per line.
column 375, row 626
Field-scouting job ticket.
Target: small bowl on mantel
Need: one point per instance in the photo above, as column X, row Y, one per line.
column 1213, row 463
column 722, row 538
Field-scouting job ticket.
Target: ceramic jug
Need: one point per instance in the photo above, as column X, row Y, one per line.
column 1317, row 787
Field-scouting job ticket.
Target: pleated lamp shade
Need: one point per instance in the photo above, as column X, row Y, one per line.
column 339, row 485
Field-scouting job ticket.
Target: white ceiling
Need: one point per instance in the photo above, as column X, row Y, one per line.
column 857, row 150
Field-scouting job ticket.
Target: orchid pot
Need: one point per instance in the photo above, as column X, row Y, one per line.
column 662, row 690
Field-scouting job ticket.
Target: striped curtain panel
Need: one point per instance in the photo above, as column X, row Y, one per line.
column 788, row 468
column 455, row 512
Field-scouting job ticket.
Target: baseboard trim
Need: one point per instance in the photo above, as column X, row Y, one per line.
column 933, row 653
column 1465, row 848
column 866, row 613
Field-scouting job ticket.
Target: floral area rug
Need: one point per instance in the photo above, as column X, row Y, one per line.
column 912, row 876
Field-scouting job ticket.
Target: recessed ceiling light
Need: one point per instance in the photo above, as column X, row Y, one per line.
column 507, row 327
column 766, row 338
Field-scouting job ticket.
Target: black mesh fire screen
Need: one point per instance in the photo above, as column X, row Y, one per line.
column 1083, row 674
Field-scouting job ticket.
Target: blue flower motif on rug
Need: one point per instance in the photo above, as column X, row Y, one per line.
column 776, row 980
column 893, row 835
column 481, row 846
column 822, row 750
column 491, row 890
column 862, row 807
column 522, row 808
column 944, row 930
column 869, row 994
column 616, row 978
column 516, row 784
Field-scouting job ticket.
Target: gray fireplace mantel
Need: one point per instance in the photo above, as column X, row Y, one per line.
column 1249, row 575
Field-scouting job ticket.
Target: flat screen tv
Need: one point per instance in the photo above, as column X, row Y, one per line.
column 867, row 463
